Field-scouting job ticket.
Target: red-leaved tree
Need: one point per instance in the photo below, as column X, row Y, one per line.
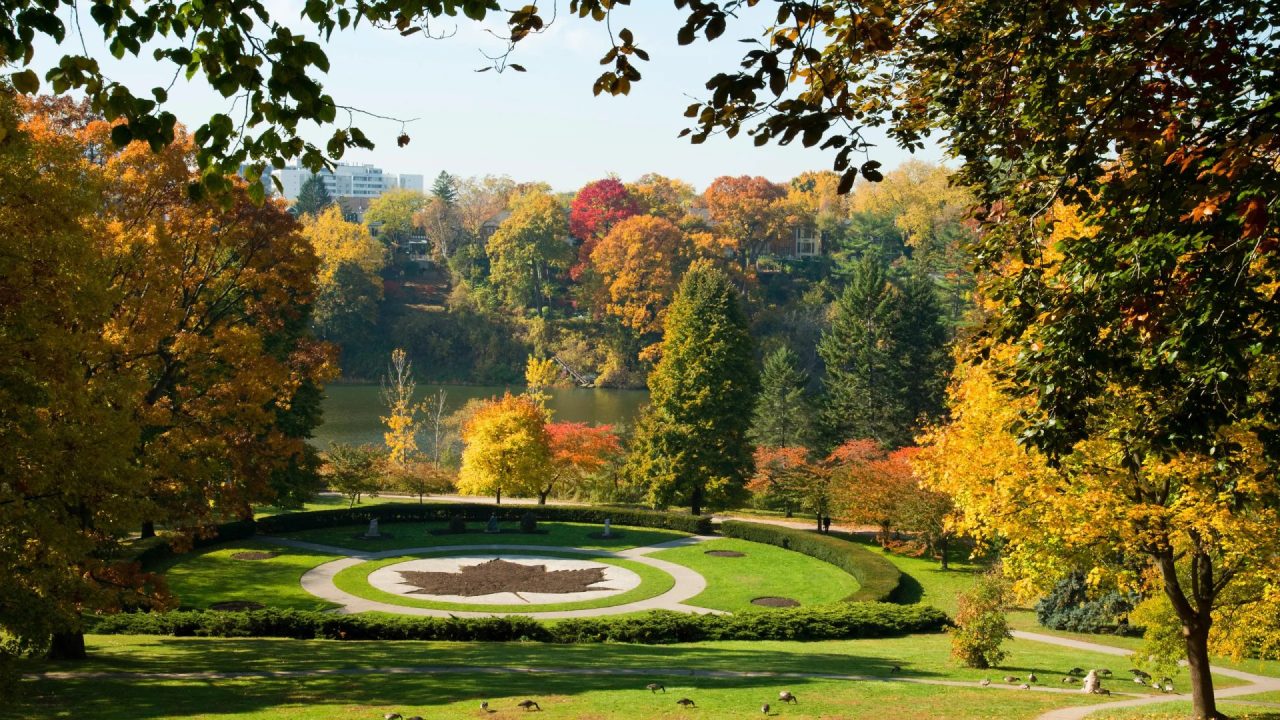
column 597, row 207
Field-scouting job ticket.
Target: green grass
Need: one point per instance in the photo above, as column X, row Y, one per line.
column 325, row 502
column 1182, row 711
column 354, row 697
column 732, row 582
column 653, row 582
column 924, row 580
column 551, row 534
column 210, row 576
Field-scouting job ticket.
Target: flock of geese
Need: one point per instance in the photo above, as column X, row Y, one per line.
column 1074, row 675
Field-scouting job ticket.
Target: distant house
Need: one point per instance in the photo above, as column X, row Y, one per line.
column 807, row 242
column 490, row 226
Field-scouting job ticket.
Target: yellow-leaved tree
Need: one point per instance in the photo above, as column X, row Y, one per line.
column 506, row 448
column 1192, row 518
column 640, row 263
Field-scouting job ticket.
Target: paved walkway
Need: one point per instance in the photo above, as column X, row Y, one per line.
column 1257, row 683
column 319, row 580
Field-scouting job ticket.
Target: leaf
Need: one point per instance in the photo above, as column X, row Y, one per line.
column 517, row 68
column 121, row 135
column 26, row 82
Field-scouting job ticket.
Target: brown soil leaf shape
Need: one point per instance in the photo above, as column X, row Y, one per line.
column 498, row 575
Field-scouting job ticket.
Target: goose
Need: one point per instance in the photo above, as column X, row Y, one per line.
column 765, row 708
column 786, row 697
column 655, row 687
column 529, row 705
column 985, row 682
column 685, row 702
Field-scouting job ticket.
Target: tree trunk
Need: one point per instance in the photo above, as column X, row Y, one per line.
column 67, row 646
column 498, row 499
column 1203, row 703
column 542, row 495
column 819, row 522
column 695, row 501
column 943, row 545
column 148, row 528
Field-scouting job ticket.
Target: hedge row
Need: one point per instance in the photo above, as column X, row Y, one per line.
column 829, row 622
column 440, row 511
column 877, row 576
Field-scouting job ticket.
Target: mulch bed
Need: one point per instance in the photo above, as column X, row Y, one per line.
column 237, row 605
column 726, row 553
column 770, row 601
column 253, row 555
column 498, row 575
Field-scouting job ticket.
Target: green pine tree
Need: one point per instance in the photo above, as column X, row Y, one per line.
column 446, row 188
column 312, row 197
column 783, row 414
column 691, row 444
column 922, row 337
column 864, row 370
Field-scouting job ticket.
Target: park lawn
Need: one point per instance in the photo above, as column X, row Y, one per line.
column 468, row 672
column 653, row 582
column 417, row 534
column 458, row 695
column 924, row 581
column 205, row 577
column 326, row 502
column 1182, row 710
column 766, row 570
column 919, row 656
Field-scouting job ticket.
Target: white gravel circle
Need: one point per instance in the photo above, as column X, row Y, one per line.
column 617, row 579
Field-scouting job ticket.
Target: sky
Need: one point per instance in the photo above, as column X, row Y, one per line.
column 543, row 124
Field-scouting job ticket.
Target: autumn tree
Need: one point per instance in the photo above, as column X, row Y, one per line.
column 595, row 210
column 402, row 421
column 353, row 470
column 529, row 248
column 348, row 280
column 783, row 414
column 691, row 444
column 419, row 477
column 313, row 198
column 67, row 428
column 577, row 451
column 662, row 196
column 640, row 262
column 785, row 479
column 506, row 449
column 752, row 212
column 391, row 215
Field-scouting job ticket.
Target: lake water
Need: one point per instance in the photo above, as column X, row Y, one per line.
column 352, row 413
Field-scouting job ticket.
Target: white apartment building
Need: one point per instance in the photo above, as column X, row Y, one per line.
column 348, row 181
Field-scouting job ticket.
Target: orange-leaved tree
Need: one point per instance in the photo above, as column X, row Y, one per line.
column 577, row 451
column 640, row 263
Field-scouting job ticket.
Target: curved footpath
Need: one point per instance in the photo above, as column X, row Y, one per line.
column 319, row 580
column 1257, row 683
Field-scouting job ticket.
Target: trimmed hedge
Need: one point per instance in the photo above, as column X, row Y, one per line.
column 829, row 622
column 413, row 512
column 879, row 579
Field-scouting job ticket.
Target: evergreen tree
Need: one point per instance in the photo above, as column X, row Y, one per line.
column 691, row 444
column 312, row 197
column 922, row 339
column 864, row 371
column 446, row 188
column 782, row 417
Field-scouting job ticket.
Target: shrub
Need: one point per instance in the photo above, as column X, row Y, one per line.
column 829, row 622
column 441, row 511
column 528, row 523
column 877, row 576
column 457, row 524
column 1068, row 607
column 981, row 626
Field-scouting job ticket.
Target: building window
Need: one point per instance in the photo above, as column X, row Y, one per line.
column 806, row 242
